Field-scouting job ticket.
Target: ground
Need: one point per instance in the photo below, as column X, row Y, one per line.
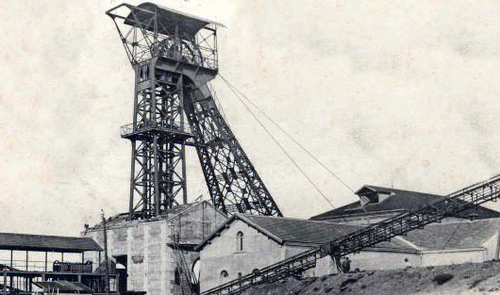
column 467, row 279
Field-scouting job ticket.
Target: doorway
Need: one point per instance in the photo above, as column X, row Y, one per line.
column 121, row 270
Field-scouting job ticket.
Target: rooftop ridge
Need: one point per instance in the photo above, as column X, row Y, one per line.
column 294, row 219
column 400, row 190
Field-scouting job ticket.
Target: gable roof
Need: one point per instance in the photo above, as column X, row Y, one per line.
column 301, row 232
column 454, row 235
column 458, row 235
column 9, row 241
column 397, row 201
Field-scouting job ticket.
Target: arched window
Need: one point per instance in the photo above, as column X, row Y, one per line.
column 239, row 241
column 224, row 274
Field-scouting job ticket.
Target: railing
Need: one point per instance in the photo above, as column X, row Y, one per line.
column 32, row 265
column 188, row 52
column 128, row 129
column 143, row 40
column 49, row 266
column 295, row 265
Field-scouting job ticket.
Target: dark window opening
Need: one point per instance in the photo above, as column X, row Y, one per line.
column 224, row 274
column 121, row 270
column 239, row 241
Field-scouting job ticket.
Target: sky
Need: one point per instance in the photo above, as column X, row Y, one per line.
column 389, row 93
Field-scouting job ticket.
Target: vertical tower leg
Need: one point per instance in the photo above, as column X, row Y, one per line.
column 158, row 169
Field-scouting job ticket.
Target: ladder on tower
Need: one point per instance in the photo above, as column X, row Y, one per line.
column 187, row 280
column 454, row 203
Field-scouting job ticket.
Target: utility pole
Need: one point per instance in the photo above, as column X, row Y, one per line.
column 497, row 252
column 105, row 251
column 5, row 281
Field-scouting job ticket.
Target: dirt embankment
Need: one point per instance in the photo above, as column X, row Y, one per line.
column 467, row 279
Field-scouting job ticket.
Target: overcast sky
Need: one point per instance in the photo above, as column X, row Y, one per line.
column 402, row 93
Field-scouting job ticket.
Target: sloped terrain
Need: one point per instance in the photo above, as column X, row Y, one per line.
column 469, row 279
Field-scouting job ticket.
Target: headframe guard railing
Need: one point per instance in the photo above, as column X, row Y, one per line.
column 149, row 30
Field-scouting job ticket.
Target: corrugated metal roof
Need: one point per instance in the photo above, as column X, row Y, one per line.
column 10, row 241
column 168, row 20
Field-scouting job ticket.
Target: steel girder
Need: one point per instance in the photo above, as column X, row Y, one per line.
column 173, row 60
column 233, row 182
column 158, row 134
column 385, row 230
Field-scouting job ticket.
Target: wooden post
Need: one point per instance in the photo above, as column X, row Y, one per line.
column 497, row 252
column 5, row 281
column 105, row 233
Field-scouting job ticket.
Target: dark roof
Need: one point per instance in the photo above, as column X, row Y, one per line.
column 299, row 231
column 459, row 235
column 398, row 200
column 10, row 241
column 454, row 235
column 168, row 20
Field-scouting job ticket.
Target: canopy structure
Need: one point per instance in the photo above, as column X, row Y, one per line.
column 169, row 20
column 63, row 286
column 9, row 241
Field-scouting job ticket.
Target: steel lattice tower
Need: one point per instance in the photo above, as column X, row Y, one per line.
column 174, row 56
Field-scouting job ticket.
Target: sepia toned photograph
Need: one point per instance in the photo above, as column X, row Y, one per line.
column 190, row 147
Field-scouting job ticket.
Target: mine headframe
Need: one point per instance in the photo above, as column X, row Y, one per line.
column 174, row 56
column 148, row 31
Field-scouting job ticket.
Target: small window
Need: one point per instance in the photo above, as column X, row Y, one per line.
column 224, row 274
column 239, row 241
